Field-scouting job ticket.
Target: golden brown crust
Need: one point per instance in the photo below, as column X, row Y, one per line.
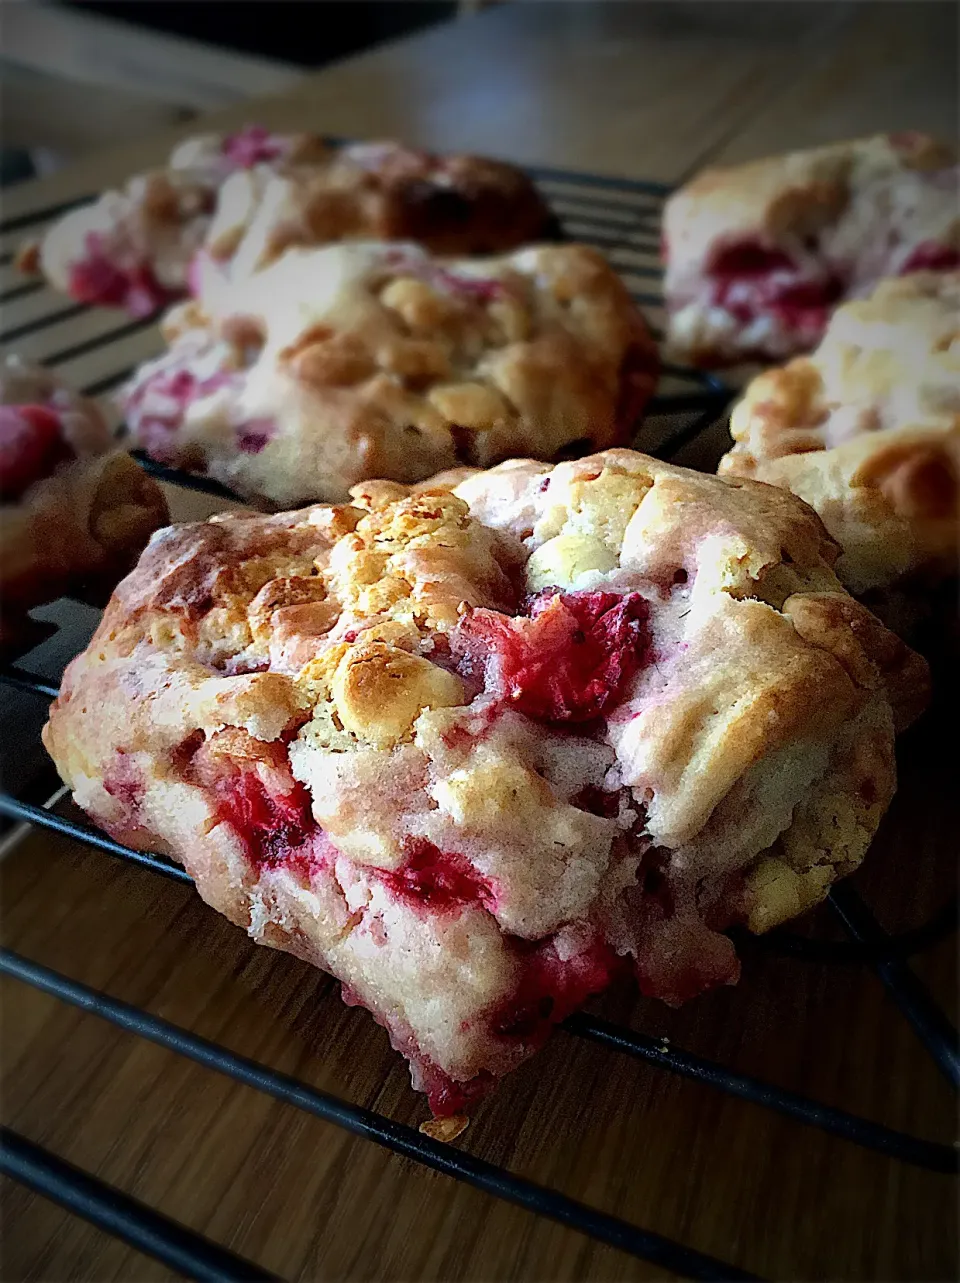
column 376, row 360
column 867, row 430
column 376, row 191
column 865, row 648
column 750, row 559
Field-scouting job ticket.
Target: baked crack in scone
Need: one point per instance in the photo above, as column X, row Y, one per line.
column 759, row 255
column 366, row 360
column 867, row 431
column 249, row 195
column 476, row 750
column 75, row 512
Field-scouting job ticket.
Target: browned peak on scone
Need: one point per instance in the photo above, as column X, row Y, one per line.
column 758, row 255
column 373, row 359
column 253, row 193
column 74, row 511
column 474, row 750
column 376, row 191
column 867, row 431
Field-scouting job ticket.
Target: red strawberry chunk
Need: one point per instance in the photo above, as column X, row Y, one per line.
column 439, row 880
column 252, row 146
column 95, row 279
column 931, row 257
column 569, row 661
column 31, row 446
column 551, row 988
column 749, row 258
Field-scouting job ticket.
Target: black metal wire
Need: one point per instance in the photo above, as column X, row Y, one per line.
column 594, row 201
column 850, row 952
column 44, row 819
column 111, row 381
column 21, row 291
column 101, row 340
column 635, row 186
column 639, row 269
column 21, row 221
column 109, row 1209
column 929, row 1023
column 43, row 322
column 178, row 477
column 20, row 679
column 394, row 1136
column 899, row 1145
column 682, row 403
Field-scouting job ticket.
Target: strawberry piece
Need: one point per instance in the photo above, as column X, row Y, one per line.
column 31, row 446
column 569, row 661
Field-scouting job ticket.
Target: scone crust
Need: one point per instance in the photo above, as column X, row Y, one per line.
column 221, row 194
column 376, row 191
column 776, row 193
column 80, row 524
column 842, row 216
column 372, row 747
column 376, row 360
column 867, row 431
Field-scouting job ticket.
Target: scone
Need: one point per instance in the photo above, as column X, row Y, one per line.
column 375, row 191
column 230, row 193
column 369, row 359
column 75, row 512
column 758, row 256
column 474, row 751
column 867, row 431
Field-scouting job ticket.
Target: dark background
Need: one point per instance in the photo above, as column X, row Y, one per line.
column 305, row 32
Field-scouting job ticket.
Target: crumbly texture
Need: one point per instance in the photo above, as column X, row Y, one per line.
column 867, row 431
column 476, row 750
column 75, row 512
column 758, row 256
column 367, row 360
column 243, row 198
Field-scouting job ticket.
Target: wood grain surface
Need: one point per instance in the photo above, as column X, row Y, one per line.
column 650, row 91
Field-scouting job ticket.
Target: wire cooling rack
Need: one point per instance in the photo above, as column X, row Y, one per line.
column 91, row 349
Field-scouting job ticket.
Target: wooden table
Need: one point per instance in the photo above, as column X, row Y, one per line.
column 642, row 90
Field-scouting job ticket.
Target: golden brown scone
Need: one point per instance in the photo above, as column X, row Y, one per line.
column 249, row 195
column 377, row 360
column 475, row 750
column 75, row 512
column 758, row 255
column 867, row 431
column 375, row 191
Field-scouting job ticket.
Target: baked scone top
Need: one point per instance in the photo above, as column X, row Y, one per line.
column 375, row 359
column 251, row 194
column 867, row 429
column 456, row 667
column 793, row 196
column 759, row 256
column 132, row 247
column 452, row 204
column 887, row 361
